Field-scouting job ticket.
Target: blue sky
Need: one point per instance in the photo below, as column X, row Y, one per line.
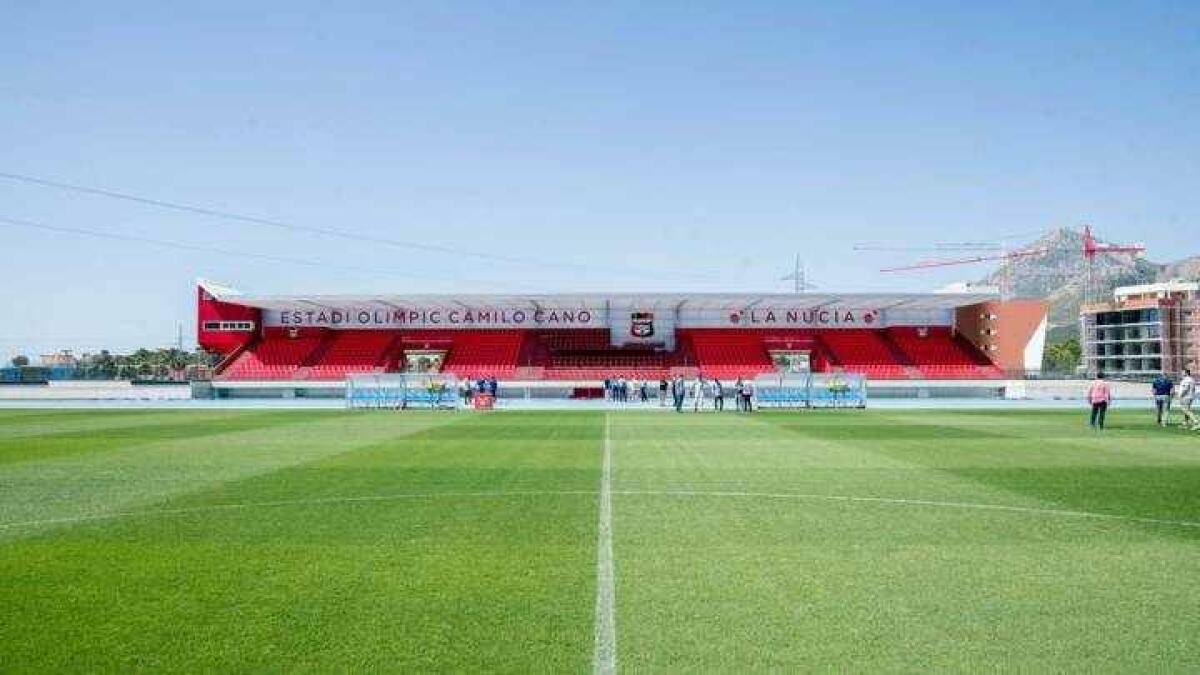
column 610, row 146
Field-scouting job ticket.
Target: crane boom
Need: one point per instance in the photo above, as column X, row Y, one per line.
column 1091, row 247
column 931, row 264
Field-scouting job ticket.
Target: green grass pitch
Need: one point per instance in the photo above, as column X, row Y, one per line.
column 286, row 541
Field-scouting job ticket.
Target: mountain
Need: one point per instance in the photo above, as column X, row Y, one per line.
column 1059, row 276
column 1188, row 268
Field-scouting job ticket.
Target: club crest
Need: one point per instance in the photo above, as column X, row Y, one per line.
column 641, row 324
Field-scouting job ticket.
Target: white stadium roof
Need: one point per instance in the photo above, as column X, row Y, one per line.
column 674, row 301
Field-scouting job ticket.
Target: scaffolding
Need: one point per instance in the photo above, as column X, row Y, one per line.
column 1141, row 339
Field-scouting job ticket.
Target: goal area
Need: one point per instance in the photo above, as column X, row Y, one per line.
column 399, row 391
column 811, row 390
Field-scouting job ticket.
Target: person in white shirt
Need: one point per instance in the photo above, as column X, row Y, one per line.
column 698, row 393
column 1187, row 394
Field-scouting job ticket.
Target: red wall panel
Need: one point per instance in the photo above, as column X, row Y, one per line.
column 223, row 342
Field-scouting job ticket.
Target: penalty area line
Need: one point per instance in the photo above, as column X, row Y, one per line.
column 1064, row 513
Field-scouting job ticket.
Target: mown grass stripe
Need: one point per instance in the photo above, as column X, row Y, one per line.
column 1066, row 513
column 323, row 501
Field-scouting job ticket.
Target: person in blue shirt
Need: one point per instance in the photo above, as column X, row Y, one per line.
column 1162, row 387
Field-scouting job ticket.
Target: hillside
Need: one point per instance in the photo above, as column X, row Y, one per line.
column 1059, row 276
column 1188, row 268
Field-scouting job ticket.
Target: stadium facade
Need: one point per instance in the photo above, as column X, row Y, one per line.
column 584, row 338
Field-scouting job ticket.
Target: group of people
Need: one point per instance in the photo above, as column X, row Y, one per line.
column 697, row 393
column 484, row 385
column 618, row 390
column 1163, row 389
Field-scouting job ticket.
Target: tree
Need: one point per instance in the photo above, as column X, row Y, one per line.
column 1062, row 357
column 158, row 363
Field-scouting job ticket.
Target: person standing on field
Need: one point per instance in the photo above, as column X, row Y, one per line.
column 718, row 395
column 678, row 391
column 663, row 387
column 1099, row 394
column 747, row 396
column 1187, row 393
column 698, row 393
column 1162, row 386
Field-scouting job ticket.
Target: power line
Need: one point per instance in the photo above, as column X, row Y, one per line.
column 323, row 231
column 163, row 243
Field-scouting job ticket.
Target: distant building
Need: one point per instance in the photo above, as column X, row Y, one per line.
column 62, row 358
column 1145, row 329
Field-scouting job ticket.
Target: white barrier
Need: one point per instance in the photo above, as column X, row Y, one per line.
column 100, row 390
column 809, row 390
column 402, row 390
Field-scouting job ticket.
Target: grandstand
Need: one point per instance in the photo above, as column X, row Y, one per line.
column 584, row 339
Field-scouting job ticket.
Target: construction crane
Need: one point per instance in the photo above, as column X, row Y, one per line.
column 992, row 252
column 984, row 251
column 997, row 245
column 1092, row 248
column 1006, row 257
column 929, row 264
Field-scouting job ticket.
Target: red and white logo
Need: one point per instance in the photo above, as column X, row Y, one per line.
column 641, row 324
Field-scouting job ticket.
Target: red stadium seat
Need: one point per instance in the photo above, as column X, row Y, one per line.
column 272, row 358
column 348, row 352
column 865, row 351
column 936, row 353
column 483, row 353
column 729, row 354
column 894, row 353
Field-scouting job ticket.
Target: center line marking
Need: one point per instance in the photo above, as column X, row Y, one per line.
column 605, row 658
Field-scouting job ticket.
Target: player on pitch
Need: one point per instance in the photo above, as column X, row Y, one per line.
column 1187, row 394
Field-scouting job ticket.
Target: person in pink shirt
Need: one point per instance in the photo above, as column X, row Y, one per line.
column 1099, row 394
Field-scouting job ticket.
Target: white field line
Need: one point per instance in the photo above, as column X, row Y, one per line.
column 115, row 515
column 605, row 658
column 1066, row 513
column 149, row 513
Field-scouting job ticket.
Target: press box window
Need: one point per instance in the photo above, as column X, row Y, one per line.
column 240, row 326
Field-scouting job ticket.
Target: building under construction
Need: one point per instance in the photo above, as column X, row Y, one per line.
column 1144, row 330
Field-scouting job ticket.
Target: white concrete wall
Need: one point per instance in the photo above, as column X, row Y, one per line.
column 1072, row 389
column 1033, row 390
column 93, row 391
